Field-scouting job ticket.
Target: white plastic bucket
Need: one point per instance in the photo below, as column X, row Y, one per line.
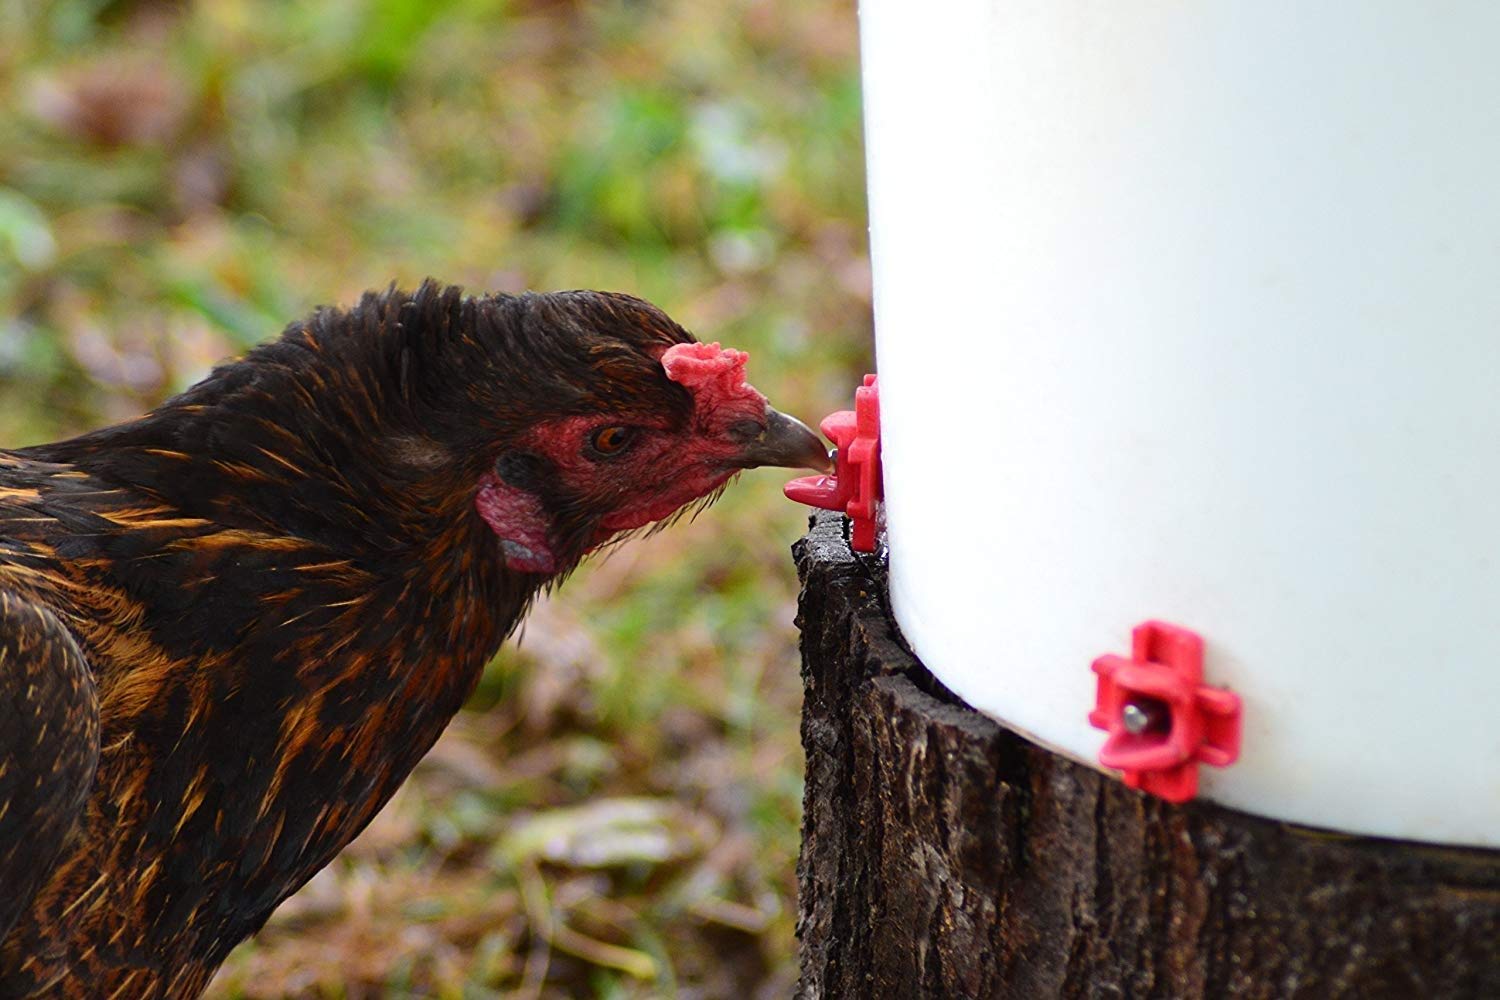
column 1192, row 312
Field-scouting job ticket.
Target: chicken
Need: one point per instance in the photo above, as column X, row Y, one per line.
column 230, row 628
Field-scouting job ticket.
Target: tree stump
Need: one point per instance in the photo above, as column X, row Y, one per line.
column 945, row 856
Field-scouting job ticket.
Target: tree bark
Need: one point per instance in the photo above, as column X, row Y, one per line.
column 945, row 856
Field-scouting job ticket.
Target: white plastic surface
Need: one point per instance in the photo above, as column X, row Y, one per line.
column 1192, row 312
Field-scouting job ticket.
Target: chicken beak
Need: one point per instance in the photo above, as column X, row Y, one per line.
column 786, row 442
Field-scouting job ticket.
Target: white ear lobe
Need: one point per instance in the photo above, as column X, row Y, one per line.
column 519, row 557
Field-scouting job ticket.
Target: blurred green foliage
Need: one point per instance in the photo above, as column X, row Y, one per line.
column 617, row 814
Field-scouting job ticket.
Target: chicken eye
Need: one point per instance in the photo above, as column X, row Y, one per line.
column 608, row 441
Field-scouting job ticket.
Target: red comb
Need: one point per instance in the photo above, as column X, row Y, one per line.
column 718, row 370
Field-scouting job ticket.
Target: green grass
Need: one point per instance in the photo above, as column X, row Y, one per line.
column 616, row 815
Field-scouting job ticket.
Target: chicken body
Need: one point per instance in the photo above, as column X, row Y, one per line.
column 230, row 629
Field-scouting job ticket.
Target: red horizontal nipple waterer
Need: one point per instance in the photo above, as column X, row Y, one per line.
column 855, row 486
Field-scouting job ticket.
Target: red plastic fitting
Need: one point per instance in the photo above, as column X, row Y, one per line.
column 855, row 486
column 1161, row 719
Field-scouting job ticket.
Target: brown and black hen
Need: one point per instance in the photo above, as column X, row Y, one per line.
column 230, row 628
